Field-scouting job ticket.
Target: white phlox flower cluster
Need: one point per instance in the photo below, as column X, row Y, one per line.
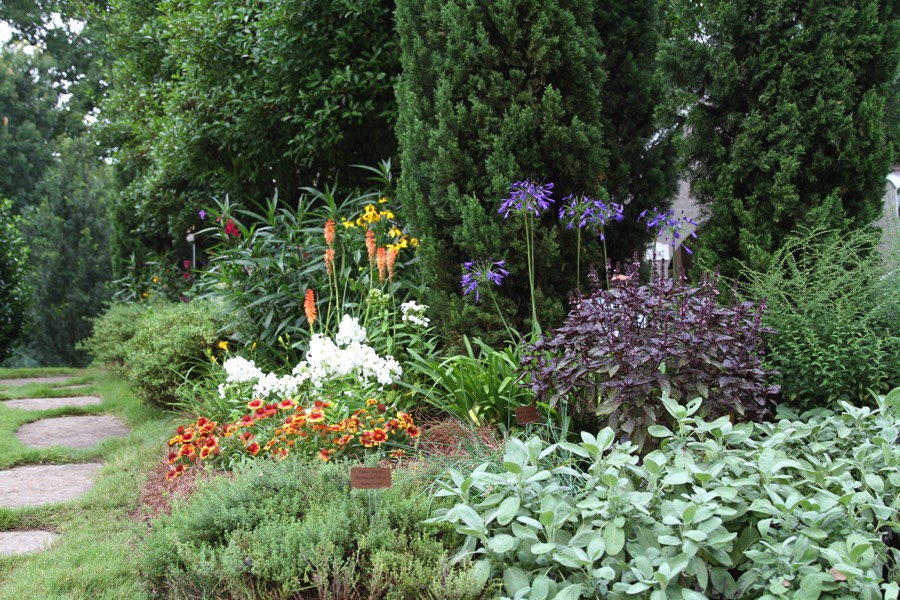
column 327, row 360
column 241, row 370
column 285, row 386
column 414, row 313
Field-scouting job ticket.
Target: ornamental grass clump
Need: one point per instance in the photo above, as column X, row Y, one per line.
column 620, row 348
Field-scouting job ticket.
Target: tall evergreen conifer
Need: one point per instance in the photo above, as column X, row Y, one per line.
column 491, row 93
column 785, row 117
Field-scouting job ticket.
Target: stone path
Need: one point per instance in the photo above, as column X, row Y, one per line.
column 27, row 380
column 72, row 432
column 36, row 485
column 51, row 403
column 45, row 484
column 25, row 542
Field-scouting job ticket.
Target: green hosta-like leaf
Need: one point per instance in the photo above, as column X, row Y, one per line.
column 501, row 543
column 543, row 548
column 659, row 431
column 515, row 580
column 507, row 510
column 614, row 538
column 512, row 467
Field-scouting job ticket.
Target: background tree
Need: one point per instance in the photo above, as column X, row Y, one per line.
column 211, row 98
column 68, row 239
column 785, row 120
column 638, row 119
column 13, row 290
column 29, row 119
column 494, row 92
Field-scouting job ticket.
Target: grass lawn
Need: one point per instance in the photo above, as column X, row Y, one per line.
column 96, row 554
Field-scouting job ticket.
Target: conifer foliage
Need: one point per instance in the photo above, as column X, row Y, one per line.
column 493, row 92
column 785, row 123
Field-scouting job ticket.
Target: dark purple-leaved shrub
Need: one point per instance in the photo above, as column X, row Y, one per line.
column 620, row 349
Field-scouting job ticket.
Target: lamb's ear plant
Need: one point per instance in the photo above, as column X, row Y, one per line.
column 801, row 508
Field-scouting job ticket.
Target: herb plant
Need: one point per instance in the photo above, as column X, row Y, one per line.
column 804, row 508
column 620, row 348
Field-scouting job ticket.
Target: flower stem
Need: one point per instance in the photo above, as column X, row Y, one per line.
column 578, row 261
column 529, row 250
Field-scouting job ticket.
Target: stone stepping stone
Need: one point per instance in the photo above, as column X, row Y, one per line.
column 72, row 432
column 27, row 380
column 45, row 484
column 24, row 542
column 73, row 387
column 50, row 403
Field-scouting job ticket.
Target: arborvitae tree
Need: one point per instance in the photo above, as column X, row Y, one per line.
column 785, row 120
column 493, row 92
column 638, row 123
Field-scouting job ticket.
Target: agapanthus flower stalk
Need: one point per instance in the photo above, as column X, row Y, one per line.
column 480, row 275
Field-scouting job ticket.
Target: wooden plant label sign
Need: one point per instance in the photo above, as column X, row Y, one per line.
column 527, row 414
column 369, row 478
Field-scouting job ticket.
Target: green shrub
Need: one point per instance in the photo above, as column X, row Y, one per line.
column 835, row 309
column 802, row 508
column 170, row 337
column 278, row 529
column 108, row 344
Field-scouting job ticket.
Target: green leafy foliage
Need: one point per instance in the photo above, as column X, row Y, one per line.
column 480, row 386
column 834, row 305
column 68, row 237
column 112, row 330
column 13, row 290
column 28, row 120
column 170, row 337
column 155, row 344
column 289, row 528
column 785, row 117
column 211, row 98
column 620, row 348
column 803, row 508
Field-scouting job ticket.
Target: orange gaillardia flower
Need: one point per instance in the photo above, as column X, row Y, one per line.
column 286, row 404
column 382, row 264
column 370, row 244
column 253, row 448
column 329, row 261
column 329, row 231
column 254, row 404
column 315, row 415
column 309, row 305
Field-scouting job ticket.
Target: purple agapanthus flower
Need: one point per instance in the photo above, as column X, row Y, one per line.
column 527, row 196
column 479, row 273
column 202, row 214
column 666, row 222
column 589, row 213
